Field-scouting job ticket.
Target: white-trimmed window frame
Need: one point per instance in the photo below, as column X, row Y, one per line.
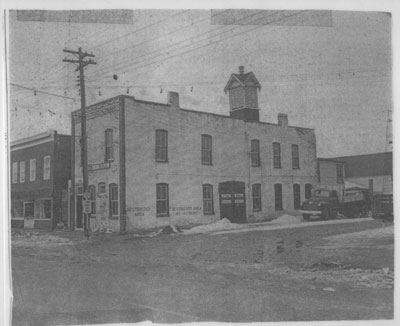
column 14, row 171
column 32, row 169
column 46, row 167
column 22, row 172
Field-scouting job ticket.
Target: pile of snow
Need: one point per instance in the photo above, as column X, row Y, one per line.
column 38, row 240
column 220, row 225
column 286, row 219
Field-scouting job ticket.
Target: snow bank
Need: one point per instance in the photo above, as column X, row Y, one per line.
column 36, row 240
column 286, row 219
column 220, row 225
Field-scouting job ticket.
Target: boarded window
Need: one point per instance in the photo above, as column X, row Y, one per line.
column 22, row 171
column 32, row 169
column 15, row 172
column 295, row 157
column 109, row 154
column 278, row 197
column 256, row 193
column 92, row 191
column 307, row 190
column 161, row 146
column 113, row 199
column 255, row 152
column 206, row 149
column 296, row 196
column 162, row 200
column 277, row 155
column 46, row 168
column 208, row 199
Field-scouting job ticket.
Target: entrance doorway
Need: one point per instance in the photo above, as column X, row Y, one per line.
column 232, row 200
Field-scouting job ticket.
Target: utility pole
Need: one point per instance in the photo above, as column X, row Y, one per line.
column 81, row 64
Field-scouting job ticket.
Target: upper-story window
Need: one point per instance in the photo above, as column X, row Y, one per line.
column 161, row 145
column 109, row 154
column 32, row 169
column 339, row 173
column 255, row 152
column 277, row 155
column 295, row 157
column 206, row 149
column 46, row 167
column 22, row 171
column 15, row 172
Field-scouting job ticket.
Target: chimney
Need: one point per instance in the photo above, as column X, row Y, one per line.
column 241, row 70
column 173, row 99
column 283, row 120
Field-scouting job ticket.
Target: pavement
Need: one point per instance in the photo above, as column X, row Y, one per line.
column 319, row 271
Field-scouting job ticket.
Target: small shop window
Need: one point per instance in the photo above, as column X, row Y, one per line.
column 102, row 188
column 208, row 200
column 162, row 199
column 256, row 193
column 29, row 209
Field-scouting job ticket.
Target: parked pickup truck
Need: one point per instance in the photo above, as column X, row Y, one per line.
column 326, row 204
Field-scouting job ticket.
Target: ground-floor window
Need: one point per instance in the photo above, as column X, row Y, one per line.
column 256, row 193
column 296, row 196
column 92, row 191
column 307, row 190
column 278, row 197
column 113, row 199
column 17, row 208
column 162, row 199
column 208, row 199
column 29, row 209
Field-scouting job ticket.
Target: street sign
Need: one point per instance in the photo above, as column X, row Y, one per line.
column 86, row 195
column 87, row 206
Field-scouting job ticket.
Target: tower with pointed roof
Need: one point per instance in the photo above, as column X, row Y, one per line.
column 243, row 99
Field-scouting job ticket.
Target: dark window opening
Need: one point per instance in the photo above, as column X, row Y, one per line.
column 255, row 152
column 307, row 190
column 295, row 157
column 208, row 200
column 206, row 149
column 277, row 155
column 161, row 146
column 162, row 199
column 278, row 197
column 256, row 194
column 296, row 196
column 113, row 199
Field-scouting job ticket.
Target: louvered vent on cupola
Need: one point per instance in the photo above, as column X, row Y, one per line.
column 243, row 98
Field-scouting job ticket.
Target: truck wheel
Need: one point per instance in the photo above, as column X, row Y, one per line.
column 306, row 217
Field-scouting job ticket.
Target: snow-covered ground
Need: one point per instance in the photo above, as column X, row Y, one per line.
column 38, row 240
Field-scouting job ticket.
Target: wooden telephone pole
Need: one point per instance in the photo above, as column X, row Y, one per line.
column 81, row 64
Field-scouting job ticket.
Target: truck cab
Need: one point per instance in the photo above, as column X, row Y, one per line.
column 323, row 203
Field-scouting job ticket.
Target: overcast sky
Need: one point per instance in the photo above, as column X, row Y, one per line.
column 329, row 71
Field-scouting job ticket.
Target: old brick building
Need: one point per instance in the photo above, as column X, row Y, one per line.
column 40, row 170
column 152, row 164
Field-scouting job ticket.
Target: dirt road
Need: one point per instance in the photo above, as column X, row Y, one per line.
column 318, row 272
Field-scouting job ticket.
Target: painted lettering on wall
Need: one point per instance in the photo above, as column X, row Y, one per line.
column 138, row 211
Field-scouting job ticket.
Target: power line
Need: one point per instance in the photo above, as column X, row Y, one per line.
column 43, row 92
column 208, row 44
column 113, row 67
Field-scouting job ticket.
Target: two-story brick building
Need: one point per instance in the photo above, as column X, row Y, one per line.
column 40, row 170
column 152, row 164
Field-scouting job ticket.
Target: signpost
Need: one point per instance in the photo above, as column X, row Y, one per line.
column 87, row 208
